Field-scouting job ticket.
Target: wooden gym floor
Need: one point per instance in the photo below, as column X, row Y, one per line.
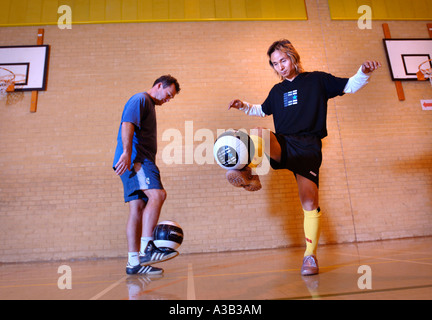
column 398, row 269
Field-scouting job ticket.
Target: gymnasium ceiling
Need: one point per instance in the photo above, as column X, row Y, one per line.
column 46, row 12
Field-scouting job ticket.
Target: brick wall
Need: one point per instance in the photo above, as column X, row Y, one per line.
column 59, row 198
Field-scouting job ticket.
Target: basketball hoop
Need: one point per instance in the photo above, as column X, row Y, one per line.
column 425, row 71
column 7, row 83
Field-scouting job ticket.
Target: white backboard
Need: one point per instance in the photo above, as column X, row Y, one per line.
column 28, row 63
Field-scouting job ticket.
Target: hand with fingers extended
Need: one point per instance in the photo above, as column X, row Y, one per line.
column 123, row 164
column 370, row 66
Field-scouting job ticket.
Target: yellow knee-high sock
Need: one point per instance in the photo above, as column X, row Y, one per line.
column 259, row 151
column 312, row 230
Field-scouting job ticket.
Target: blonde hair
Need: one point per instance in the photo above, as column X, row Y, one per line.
column 286, row 47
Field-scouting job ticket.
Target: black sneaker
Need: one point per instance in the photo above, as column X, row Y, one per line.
column 153, row 254
column 149, row 270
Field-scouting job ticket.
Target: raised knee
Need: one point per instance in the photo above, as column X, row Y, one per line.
column 162, row 195
column 157, row 195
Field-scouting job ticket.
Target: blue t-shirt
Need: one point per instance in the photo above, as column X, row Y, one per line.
column 300, row 106
column 140, row 111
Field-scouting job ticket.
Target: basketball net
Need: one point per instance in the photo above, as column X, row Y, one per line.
column 425, row 71
column 6, row 82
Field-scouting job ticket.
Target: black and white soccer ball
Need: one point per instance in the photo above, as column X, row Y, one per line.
column 168, row 234
column 233, row 150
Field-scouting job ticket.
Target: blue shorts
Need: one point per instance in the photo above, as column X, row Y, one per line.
column 143, row 176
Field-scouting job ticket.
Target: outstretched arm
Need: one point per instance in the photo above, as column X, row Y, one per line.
column 250, row 110
column 360, row 79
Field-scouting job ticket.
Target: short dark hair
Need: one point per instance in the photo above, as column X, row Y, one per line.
column 168, row 80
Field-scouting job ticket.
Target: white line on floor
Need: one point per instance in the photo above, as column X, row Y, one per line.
column 190, row 284
column 103, row 292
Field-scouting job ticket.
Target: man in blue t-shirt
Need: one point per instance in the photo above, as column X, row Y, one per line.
column 299, row 108
column 135, row 163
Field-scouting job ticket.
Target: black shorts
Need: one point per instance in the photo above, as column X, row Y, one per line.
column 301, row 154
